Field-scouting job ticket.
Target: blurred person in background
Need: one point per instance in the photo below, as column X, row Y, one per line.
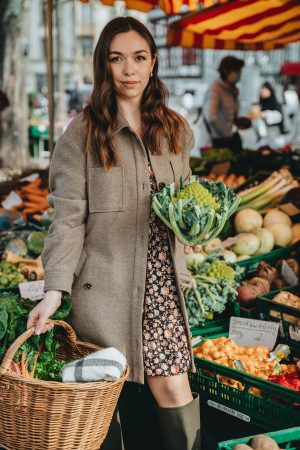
column 221, row 105
column 267, row 117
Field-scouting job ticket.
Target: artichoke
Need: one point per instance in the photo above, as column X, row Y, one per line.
column 197, row 212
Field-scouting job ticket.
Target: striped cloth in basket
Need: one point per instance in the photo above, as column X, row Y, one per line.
column 107, row 364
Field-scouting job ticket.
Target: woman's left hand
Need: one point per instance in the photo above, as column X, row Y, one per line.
column 188, row 249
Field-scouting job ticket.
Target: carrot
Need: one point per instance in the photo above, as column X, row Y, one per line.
column 40, row 204
column 221, row 177
column 23, row 365
column 15, row 368
column 38, row 199
column 36, row 183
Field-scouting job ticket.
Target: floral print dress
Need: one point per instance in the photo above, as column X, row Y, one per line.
column 165, row 342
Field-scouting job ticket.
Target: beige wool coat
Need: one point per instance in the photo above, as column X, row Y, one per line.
column 97, row 245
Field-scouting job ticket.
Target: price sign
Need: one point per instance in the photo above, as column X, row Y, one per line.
column 13, row 199
column 34, row 290
column 251, row 332
column 288, row 275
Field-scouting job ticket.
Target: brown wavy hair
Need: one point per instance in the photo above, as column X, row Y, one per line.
column 100, row 114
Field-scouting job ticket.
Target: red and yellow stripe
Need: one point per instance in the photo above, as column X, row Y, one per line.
column 240, row 25
column 169, row 6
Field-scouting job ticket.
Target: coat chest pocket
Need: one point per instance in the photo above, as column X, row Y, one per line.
column 105, row 189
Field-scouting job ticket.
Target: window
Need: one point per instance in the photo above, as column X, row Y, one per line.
column 86, row 45
column 189, row 57
column 86, row 14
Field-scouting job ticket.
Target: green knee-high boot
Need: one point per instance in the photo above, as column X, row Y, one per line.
column 180, row 427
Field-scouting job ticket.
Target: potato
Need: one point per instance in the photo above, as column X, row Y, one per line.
column 262, row 442
column 241, row 447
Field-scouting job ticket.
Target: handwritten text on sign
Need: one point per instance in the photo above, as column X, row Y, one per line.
column 34, row 290
column 251, row 332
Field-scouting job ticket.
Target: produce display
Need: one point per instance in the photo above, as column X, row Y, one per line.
column 290, row 380
column 268, row 193
column 32, row 199
column 257, row 361
column 259, row 442
column 196, row 212
column 11, row 274
column 231, row 224
column 260, row 234
column 211, row 156
column 265, row 279
column 232, row 180
column 288, row 299
column 256, row 234
column 214, row 285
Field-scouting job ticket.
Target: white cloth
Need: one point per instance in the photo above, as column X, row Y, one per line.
column 104, row 365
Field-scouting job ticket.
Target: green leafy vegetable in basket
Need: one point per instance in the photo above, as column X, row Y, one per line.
column 214, row 284
column 14, row 315
column 197, row 212
column 37, row 358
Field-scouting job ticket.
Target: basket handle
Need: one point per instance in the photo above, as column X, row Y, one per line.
column 10, row 354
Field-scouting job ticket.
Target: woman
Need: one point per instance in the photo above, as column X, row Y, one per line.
column 221, row 105
column 271, row 109
column 120, row 262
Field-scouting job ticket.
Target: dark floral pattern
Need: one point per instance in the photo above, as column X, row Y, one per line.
column 165, row 342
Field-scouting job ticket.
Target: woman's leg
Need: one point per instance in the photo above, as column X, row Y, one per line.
column 178, row 412
column 170, row 392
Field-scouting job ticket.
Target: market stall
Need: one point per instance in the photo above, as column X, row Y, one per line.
column 239, row 25
column 243, row 302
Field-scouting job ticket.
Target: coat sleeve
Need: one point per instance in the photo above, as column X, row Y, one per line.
column 67, row 183
column 210, row 110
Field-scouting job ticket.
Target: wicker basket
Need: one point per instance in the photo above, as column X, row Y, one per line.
column 50, row 415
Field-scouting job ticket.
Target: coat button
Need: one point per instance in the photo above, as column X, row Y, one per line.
column 87, row 286
column 162, row 185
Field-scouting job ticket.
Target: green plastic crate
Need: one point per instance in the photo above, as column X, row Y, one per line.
column 287, row 439
column 273, row 410
column 289, row 332
column 220, row 324
column 248, row 313
column 251, row 264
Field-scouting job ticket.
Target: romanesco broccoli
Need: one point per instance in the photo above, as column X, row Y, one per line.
column 201, row 195
column 221, row 270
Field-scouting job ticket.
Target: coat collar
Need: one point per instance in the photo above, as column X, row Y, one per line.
column 121, row 123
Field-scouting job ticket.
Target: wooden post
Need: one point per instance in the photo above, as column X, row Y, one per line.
column 50, row 75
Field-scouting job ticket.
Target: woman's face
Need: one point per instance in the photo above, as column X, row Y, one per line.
column 265, row 92
column 131, row 64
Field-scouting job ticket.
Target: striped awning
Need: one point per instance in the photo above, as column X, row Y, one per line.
column 239, row 25
column 169, row 6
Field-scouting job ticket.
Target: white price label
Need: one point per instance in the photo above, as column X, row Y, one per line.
column 228, row 410
column 13, row 199
column 34, row 176
column 34, row 290
column 251, row 332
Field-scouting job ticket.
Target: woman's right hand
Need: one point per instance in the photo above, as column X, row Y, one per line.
column 43, row 311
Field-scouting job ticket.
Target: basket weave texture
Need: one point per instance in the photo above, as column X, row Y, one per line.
column 51, row 415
